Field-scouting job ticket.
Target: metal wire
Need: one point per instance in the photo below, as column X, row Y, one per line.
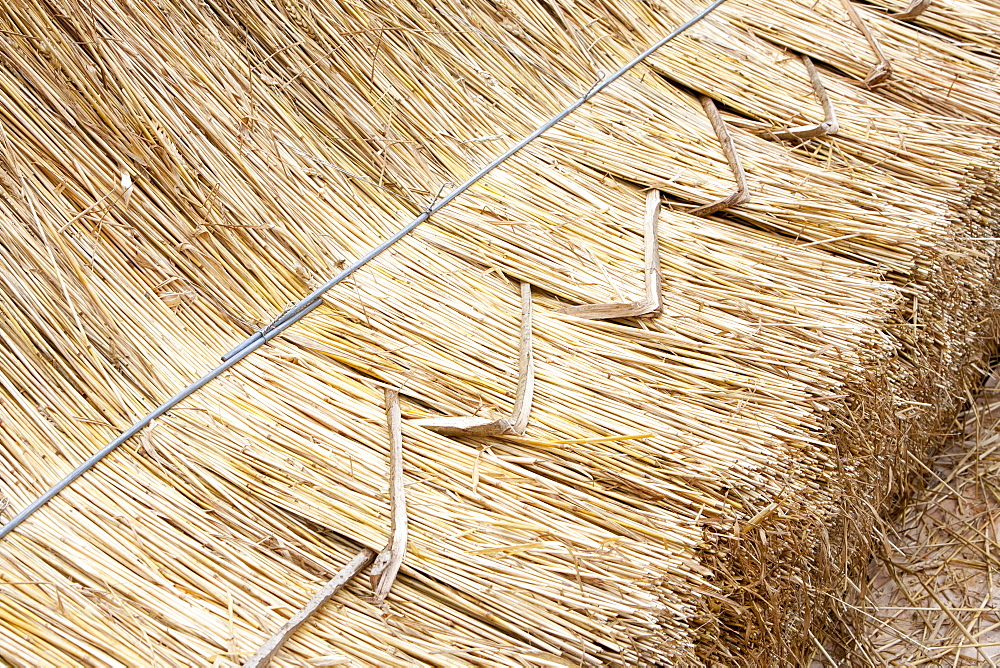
column 314, row 299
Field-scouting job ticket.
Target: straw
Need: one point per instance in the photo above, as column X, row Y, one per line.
column 691, row 487
column 304, row 306
column 930, row 595
column 390, row 559
column 273, row 645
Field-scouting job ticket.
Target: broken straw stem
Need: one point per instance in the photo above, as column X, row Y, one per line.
column 274, row 643
column 315, row 298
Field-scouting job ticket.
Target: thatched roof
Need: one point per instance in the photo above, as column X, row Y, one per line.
column 695, row 485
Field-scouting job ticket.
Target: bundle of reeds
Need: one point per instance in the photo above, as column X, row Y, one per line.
column 174, row 174
column 974, row 26
column 842, row 35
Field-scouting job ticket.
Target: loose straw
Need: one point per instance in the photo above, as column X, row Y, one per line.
column 314, row 299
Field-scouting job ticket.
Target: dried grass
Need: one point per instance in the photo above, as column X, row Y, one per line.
column 172, row 175
column 931, row 595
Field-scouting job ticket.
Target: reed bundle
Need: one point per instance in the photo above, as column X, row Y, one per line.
column 975, row 27
column 824, row 31
column 174, row 174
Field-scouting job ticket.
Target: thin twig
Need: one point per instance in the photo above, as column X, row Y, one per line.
column 652, row 304
column 270, row 648
column 742, row 193
column 883, row 70
column 829, row 126
column 916, row 8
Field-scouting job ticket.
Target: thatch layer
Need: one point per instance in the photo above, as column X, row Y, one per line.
column 803, row 571
column 173, row 174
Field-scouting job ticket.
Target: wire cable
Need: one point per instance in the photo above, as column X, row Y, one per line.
column 309, row 303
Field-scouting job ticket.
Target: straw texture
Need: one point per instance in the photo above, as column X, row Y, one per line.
column 173, row 174
column 931, row 595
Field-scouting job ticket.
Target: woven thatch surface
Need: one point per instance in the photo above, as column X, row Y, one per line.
column 173, row 174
